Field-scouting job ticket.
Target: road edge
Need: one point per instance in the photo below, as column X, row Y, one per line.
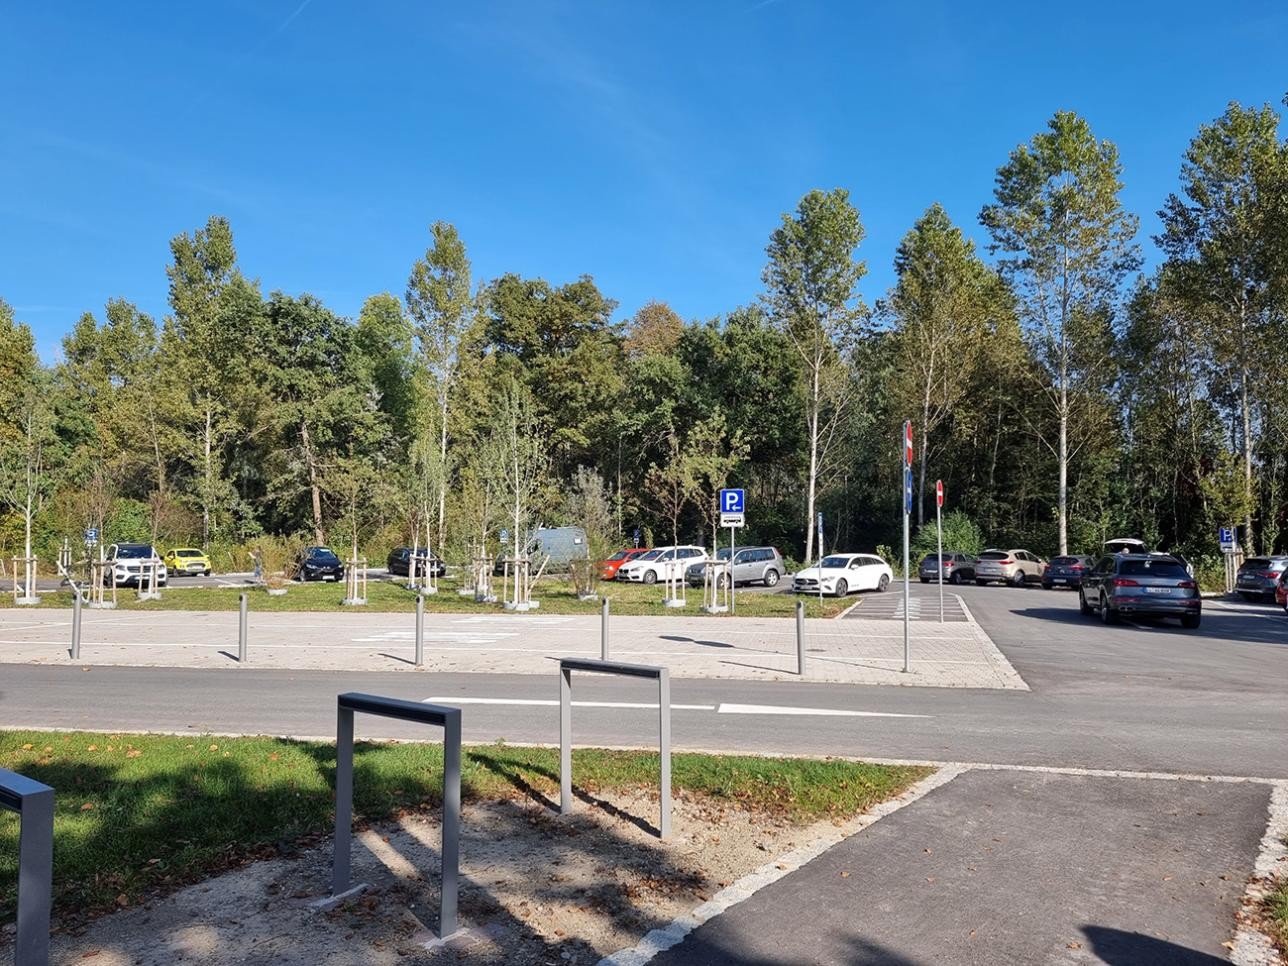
column 1252, row 947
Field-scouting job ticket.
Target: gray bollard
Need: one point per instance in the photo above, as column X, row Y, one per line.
column 800, row 638
column 76, row 624
column 603, row 629
column 420, row 631
column 241, row 631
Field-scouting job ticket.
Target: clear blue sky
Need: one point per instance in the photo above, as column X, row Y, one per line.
column 651, row 145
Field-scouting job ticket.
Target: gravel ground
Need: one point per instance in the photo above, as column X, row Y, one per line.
column 536, row 889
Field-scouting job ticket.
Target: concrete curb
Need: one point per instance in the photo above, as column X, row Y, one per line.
column 1251, row 946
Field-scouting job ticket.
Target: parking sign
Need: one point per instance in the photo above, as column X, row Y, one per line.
column 733, row 501
column 907, row 489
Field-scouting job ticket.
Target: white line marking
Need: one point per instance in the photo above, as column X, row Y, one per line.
column 658, row 940
column 774, row 709
column 551, row 703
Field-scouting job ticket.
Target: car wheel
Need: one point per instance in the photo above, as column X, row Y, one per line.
column 722, row 581
column 954, row 578
column 650, row 576
column 771, row 577
column 979, row 582
column 1082, row 603
column 1107, row 614
column 842, row 588
column 1190, row 621
column 1018, row 579
column 1046, row 586
column 925, row 580
column 883, row 583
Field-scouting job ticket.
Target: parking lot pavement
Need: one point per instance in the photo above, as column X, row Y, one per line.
column 958, row 654
column 1005, row 867
column 923, row 603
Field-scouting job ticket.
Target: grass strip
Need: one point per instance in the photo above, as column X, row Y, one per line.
column 388, row 596
column 139, row 815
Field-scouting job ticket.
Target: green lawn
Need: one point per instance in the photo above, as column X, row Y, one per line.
column 1277, row 908
column 556, row 597
column 136, row 814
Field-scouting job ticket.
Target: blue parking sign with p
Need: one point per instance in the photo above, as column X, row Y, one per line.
column 907, row 489
column 733, row 501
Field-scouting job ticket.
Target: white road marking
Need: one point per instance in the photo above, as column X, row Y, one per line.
column 774, row 709
column 550, row 703
column 511, row 618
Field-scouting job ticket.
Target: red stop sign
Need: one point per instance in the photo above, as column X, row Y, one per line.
column 939, row 492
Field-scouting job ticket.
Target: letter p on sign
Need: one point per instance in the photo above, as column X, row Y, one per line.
column 732, row 501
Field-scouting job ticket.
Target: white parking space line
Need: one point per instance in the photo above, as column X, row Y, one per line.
column 833, row 712
column 551, row 703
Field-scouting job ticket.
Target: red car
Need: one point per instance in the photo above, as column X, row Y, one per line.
column 608, row 568
column 1281, row 591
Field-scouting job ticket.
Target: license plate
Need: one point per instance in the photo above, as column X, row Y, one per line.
column 1059, row 580
column 1158, row 590
column 327, row 577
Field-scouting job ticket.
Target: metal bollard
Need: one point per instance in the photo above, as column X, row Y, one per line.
column 420, row 631
column 800, row 638
column 76, row 624
column 241, row 631
column 603, row 629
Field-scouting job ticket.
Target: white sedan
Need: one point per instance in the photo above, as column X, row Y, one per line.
column 841, row 573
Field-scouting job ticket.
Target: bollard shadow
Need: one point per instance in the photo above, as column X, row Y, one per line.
column 395, row 657
column 692, row 640
column 230, row 655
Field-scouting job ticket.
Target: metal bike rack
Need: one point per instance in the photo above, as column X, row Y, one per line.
column 34, row 803
column 663, row 676
column 449, row 719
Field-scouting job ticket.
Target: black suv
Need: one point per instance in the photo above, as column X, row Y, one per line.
column 399, row 562
column 1137, row 584
column 318, row 563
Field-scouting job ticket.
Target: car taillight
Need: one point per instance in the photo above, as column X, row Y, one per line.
column 1269, row 573
column 1125, row 582
column 1187, row 584
column 1005, row 563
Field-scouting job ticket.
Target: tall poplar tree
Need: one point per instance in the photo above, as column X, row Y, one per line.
column 1066, row 245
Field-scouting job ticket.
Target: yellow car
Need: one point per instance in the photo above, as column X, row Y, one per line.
column 187, row 561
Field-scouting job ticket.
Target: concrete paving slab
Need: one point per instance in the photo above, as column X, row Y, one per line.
column 951, row 655
column 999, row 867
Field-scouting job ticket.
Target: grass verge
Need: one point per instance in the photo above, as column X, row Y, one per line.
column 138, row 815
column 556, row 596
column 1277, row 910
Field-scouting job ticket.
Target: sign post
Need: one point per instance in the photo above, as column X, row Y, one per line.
column 1228, row 537
column 733, row 514
column 939, row 532
column 907, row 513
column 820, row 560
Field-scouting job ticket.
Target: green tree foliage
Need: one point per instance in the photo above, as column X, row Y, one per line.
column 1067, row 244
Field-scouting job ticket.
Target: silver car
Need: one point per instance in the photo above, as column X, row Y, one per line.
column 1014, row 567
column 750, row 565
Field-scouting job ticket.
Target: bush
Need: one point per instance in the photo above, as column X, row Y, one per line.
column 960, row 533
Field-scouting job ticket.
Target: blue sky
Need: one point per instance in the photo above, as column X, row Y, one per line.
column 651, row 145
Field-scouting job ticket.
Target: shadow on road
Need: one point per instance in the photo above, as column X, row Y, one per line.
column 692, row 640
column 1119, row 948
column 1235, row 628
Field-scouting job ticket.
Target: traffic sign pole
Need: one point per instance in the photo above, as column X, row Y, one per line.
column 820, row 560
column 907, row 510
column 939, row 530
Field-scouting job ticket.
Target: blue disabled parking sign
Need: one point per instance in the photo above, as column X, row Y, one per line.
column 733, row 501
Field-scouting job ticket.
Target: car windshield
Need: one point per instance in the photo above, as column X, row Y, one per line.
column 994, row 555
column 650, row 555
column 1065, row 561
column 722, row 553
column 187, row 553
column 620, row 555
column 133, row 551
column 934, row 558
column 1153, row 568
column 1256, row 563
column 835, row 562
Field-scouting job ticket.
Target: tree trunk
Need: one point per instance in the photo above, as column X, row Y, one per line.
column 1064, row 461
column 206, row 491
column 925, row 453
column 813, row 466
column 442, row 467
column 315, row 489
column 1247, row 431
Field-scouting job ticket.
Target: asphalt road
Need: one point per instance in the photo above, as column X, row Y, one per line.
column 1131, row 698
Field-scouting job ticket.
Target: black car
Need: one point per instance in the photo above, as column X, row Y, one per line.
column 1137, row 584
column 1259, row 576
column 399, row 562
column 1066, row 572
column 318, row 563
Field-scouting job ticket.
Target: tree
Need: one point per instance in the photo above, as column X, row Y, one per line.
column 1222, row 240
column 521, row 454
column 713, row 452
column 440, row 302
column 943, row 303
column 670, row 483
column 1066, row 244
column 812, row 280
column 654, row 330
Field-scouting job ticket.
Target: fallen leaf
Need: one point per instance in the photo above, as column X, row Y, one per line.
column 122, row 900
column 28, row 746
column 1074, row 945
column 214, row 747
column 133, row 753
column 87, row 806
column 92, row 748
column 90, row 953
column 845, row 875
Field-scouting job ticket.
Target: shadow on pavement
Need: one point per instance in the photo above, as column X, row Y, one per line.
column 720, row 949
column 1119, row 948
column 692, row 640
column 1235, row 628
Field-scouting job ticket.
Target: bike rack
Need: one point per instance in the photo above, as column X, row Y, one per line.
column 34, row 803
column 663, row 677
column 449, row 719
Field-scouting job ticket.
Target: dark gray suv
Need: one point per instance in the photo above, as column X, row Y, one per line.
column 750, row 565
column 1148, row 585
column 957, row 567
column 1258, row 577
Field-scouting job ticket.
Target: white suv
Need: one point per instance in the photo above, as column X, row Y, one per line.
column 661, row 563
